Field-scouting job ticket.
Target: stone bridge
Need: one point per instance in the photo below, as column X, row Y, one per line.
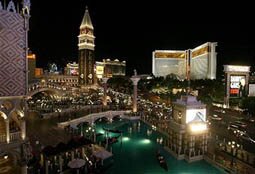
column 91, row 118
column 47, row 87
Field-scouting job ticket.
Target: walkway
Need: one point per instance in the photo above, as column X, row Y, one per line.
column 92, row 117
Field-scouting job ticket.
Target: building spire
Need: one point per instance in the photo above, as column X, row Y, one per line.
column 86, row 21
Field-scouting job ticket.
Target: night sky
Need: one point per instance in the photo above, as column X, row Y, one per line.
column 131, row 30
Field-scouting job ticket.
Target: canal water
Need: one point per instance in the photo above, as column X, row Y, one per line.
column 135, row 152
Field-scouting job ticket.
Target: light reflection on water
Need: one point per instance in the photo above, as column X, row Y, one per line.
column 136, row 152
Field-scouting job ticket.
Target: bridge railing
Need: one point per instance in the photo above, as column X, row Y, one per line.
column 91, row 118
column 36, row 86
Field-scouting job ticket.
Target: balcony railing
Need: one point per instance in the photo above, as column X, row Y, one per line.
column 14, row 136
column 2, row 138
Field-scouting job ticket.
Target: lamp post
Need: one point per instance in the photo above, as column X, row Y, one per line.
column 104, row 80
column 135, row 80
column 234, row 149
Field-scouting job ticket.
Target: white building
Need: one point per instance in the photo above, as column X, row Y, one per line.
column 201, row 61
column 188, row 132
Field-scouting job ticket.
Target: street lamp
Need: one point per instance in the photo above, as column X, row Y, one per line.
column 234, row 148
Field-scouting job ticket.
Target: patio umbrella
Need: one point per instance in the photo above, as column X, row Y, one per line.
column 76, row 164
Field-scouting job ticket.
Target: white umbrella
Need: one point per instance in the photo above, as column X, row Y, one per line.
column 76, row 164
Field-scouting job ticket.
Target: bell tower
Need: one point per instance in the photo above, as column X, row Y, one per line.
column 86, row 51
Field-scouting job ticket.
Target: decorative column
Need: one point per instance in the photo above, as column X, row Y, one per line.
column 60, row 164
column 72, row 155
column 135, row 79
column 227, row 91
column 190, row 146
column 23, row 129
column 7, row 130
column 24, row 169
column 46, row 166
column 105, row 79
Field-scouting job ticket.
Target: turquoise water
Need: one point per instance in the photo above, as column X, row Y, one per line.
column 136, row 153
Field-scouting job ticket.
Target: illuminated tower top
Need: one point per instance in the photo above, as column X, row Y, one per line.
column 86, row 21
column 86, row 37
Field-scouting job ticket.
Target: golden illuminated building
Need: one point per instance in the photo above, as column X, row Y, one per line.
column 31, row 58
column 197, row 63
column 110, row 68
column 38, row 72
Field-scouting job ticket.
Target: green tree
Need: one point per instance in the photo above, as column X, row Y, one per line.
column 248, row 104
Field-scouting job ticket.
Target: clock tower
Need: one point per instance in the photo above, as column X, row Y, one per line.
column 86, row 51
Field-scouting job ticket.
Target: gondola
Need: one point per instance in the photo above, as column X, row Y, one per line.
column 162, row 161
column 112, row 130
column 112, row 140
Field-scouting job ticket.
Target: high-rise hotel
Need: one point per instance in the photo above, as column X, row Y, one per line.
column 197, row 63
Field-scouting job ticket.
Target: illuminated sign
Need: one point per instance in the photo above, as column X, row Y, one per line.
column 236, row 84
column 100, row 70
column 235, row 68
column 195, row 115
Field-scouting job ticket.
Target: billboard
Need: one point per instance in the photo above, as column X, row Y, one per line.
column 237, row 83
column 195, row 115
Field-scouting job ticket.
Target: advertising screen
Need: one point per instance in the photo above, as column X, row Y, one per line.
column 195, row 115
column 236, row 85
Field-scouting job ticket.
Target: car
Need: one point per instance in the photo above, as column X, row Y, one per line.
column 240, row 123
column 235, row 128
column 252, row 120
column 247, row 137
column 216, row 117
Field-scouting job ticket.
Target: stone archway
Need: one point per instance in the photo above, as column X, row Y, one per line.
column 3, row 117
column 10, row 162
column 15, row 118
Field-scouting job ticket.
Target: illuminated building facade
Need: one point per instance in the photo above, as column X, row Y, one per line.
column 72, row 69
column 237, row 82
column 38, row 72
column 31, row 58
column 86, row 51
column 112, row 68
column 64, row 80
column 188, row 129
column 197, row 63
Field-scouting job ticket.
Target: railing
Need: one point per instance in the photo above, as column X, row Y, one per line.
column 91, row 118
column 177, row 126
column 15, row 136
column 2, row 138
